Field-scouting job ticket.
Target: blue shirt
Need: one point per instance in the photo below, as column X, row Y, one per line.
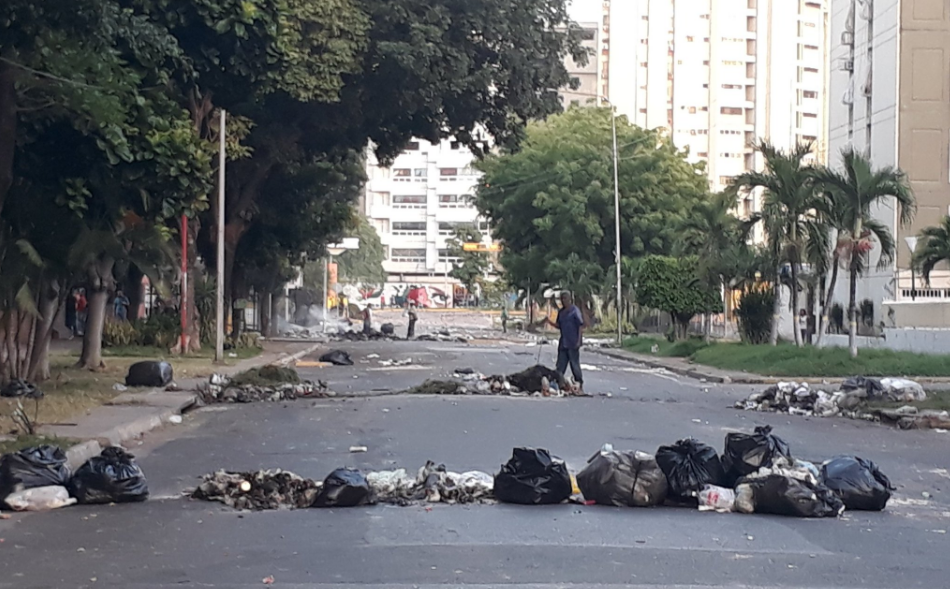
column 570, row 321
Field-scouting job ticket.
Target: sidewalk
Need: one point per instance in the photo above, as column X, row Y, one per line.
column 138, row 412
column 685, row 367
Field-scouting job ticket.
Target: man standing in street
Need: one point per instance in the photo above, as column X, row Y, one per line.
column 571, row 324
column 411, row 313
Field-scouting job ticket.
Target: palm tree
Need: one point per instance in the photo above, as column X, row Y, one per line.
column 933, row 249
column 789, row 215
column 835, row 214
column 858, row 188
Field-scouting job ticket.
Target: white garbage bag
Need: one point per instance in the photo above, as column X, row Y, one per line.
column 40, row 499
column 903, row 390
column 713, row 498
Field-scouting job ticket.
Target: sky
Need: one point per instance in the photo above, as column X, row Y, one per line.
column 586, row 10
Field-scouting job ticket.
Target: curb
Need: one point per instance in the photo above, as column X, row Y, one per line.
column 297, row 356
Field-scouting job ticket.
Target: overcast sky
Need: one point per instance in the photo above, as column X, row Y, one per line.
column 586, row 10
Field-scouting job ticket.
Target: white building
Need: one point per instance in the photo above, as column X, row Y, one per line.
column 890, row 98
column 416, row 204
column 589, row 76
column 719, row 74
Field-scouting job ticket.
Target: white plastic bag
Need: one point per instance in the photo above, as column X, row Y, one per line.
column 40, row 499
column 713, row 498
column 903, row 390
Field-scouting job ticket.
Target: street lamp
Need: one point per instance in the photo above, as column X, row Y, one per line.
column 912, row 245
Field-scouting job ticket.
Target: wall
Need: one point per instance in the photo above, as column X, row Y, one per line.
column 917, row 314
column 920, row 341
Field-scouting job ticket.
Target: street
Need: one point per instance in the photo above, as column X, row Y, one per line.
column 171, row 541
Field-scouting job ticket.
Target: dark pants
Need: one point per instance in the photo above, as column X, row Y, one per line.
column 573, row 357
column 412, row 330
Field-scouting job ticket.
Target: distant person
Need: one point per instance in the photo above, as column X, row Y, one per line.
column 570, row 322
column 70, row 314
column 82, row 306
column 367, row 320
column 413, row 317
column 803, row 325
column 504, row 319
column 121, row 305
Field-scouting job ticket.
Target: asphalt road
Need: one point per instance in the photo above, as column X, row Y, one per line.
column 174, row 542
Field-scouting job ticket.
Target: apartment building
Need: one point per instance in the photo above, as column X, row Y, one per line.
column 416, row 204
column 719, row 74
column 890, row 98
column 590, row 75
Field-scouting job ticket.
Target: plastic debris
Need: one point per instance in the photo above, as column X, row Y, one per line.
column 858, row 482
column 111, row 477
column 345, row 487
column 219, row 389
column 264, row 489
column 337, row 358
column 781, row 495
column 746, row 453
column 533, row 477
column 689, row 465
column 358, row 449
column 40, row 499
column 623, row 479
column 40, row 466
column 149, row 373
column 713, row 498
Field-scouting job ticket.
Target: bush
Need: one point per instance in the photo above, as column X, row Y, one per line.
column 158, row 330
column 117, row 334
column 755, row 315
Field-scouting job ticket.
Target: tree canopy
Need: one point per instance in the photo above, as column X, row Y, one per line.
column 471, row 266
column 365, row 264
column 675, row 285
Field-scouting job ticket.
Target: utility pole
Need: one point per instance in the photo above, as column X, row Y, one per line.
column 219, row 335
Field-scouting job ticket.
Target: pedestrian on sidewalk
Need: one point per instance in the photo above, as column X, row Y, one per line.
column 411, row 313
column 570, row 322
column 121, row 305
column 81, row 311
column 504, row 318
column 71, row 314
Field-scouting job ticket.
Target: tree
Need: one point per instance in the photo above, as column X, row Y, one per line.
column 471, row 266
column 789, row 215
column 859, row 188
column 554, row 197
column 674, row 285
column 365, row 264
column 934, row 248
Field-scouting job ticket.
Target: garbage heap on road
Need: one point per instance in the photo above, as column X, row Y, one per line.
column 851, row 400
column 37, row 479
column 537, row 381
column 264, row 384
column 757, row 473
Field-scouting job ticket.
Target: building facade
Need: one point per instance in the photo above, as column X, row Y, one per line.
column 590, row 75
column 416, row 204
column 720, row 74
column 890, row 98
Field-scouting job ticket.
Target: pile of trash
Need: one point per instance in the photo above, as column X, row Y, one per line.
column 20, row 388
column 344, row 487
column 220, row 389
column 37, row 479
column 849, row 401
column 444, row 335
column 536, row 381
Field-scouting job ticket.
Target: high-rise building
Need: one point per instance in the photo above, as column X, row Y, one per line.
column 589, row 76
column 416, row 204
column 890, row 99
column 719, row 74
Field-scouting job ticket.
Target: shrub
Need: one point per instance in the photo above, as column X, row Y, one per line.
column 118, row 334
column 755, row 315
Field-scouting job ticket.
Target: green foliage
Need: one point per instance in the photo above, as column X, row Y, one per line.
column 754, row 312
column 363, row 265
column 205, row 302
column 158, row 330
column 554, row 197
column 933, row 248
column 471, row 266
column 673, row 285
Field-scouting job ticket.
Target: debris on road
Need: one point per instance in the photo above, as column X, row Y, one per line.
column 623, row 479
column 265, row 375
column 859, row 483
column 404, row 362
column 337, row 358
column 538, row 381
column 345, row 487
column 220, row 389
column 719, row 499
column 744, row 454
column 264, row 489
column 18, row 387
column 111, row 477
column 40, row 499
column 781, row 495
column 358, row 449
column 689, row 465
column 40, row 466
column 533, row 477
column 149, row 373
column 433, row 484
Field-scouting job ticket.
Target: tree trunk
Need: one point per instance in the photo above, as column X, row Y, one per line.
column 51, row 300
column 8, row 126
column 100, row 285
column 794, row 291
column 853, row 313
column 826, row 304
column 776, row 310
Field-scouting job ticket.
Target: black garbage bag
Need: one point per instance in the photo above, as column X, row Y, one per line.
column 688, row 465
column 21, row 388
column 529, row 380
column 111, row 477
column 781, row 495
column 746, row 453
column 623, row 479
column 872, row 386
column 533, row 477
column 858, row 482
column 345, row 487
column 337, row 358
column 387, row 329
column 40, row 466
column 149, row 374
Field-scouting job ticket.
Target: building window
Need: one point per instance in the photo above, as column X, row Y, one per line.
column 692, row 110
column 587, row 34
column 448, row 228
column 725, row 179
column 448, row 174
column 402, row 173
column 690, row 39
column 643, row 64
column 413, row 146
column 732, row 86
column 811, row 70
column 706, row 62
column 454, row 201
column 455, row 145
column 703, row 154
column 483, row 225
column 409, row 201
column 704, row 109
column 445, row 256
column 730, row 110
column 409, row 227
column 810, row 115
column 408, row 255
